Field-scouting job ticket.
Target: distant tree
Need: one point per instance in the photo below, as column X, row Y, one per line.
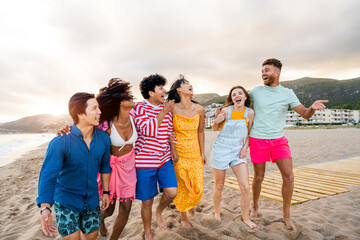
column 345, row 106
column 358, row 105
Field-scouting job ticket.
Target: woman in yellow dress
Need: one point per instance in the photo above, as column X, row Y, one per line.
column 188, row 120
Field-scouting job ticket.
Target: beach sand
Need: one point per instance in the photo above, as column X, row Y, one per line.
column 332, row 217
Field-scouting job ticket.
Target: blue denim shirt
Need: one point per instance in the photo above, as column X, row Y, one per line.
column 69, row 172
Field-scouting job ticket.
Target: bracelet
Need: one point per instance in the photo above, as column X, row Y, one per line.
column 41, row 210
column 106, row 192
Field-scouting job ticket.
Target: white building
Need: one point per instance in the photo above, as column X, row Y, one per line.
column 327, row 116
column 210, row 114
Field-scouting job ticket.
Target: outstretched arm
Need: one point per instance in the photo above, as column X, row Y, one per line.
column 308, row 112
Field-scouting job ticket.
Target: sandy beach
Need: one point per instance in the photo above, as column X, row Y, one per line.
column 332, row 217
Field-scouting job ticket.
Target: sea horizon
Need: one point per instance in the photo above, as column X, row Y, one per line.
column 14, row 145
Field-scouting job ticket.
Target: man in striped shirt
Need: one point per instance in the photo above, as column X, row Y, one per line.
column 153, row 151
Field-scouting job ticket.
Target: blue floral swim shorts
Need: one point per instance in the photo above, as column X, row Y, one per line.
column 69, row 222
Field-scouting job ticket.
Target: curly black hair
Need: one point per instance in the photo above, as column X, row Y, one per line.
column 149, row 83
column 110, row 98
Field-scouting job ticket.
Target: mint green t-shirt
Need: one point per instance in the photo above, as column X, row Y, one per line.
column 270, row 106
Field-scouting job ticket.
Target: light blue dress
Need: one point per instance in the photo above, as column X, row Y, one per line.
column 230, row 142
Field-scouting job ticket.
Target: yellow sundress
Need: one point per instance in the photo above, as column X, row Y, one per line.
column 189, row 169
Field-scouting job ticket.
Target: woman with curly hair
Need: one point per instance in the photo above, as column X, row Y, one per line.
column 188, row 120
column 115, row 102
column 234, row 121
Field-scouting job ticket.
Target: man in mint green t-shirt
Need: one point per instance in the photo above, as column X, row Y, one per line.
column 267, row 141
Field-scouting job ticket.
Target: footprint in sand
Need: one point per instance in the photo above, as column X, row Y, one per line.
column 172, row 206
column 171, row 224
column 30, row 206
column 172, row 216
column 226, row 232
column 199, row 208
column 209, row 221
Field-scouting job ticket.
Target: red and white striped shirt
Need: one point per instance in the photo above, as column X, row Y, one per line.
column 152, row 148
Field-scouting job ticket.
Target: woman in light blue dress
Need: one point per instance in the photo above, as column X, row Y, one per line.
column 230, row 149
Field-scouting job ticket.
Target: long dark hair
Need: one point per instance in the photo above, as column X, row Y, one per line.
column 230, row 102
column 172, row 93
column 110, row 98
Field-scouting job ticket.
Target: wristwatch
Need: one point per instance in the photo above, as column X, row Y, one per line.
column 106, row 192
column 42, row 209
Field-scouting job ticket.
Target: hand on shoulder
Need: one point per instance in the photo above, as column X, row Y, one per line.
column 221, row 116
column 220, row 110
column 225, row 110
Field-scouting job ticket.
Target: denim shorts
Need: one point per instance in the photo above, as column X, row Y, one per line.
column 148, row 179
column 69, row 222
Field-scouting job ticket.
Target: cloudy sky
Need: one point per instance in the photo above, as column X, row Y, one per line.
column 52, row 49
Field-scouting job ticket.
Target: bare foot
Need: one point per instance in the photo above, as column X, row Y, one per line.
column 254, row 213
column 251, row 224
column 147, row 236
column 160, row 221
column 217, row 216
column 103, row 230
column 185, row 224
column 289, row 223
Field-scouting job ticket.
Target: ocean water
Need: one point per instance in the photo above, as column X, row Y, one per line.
column 12, row 146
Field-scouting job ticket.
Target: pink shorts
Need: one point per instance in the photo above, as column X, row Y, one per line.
column 264, row 150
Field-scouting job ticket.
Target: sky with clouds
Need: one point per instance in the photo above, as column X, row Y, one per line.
column 52, row 49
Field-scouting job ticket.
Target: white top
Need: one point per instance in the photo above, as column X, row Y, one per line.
column 117, row 140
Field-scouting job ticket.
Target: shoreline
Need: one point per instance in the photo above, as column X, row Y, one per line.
column 14, row 146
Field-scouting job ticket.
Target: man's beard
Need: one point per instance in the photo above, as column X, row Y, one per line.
column 271, row 80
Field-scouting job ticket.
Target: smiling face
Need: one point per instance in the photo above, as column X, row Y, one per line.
column 238, row 97
column 270, row 75
column 158, row 95
column 185, row 88
column 92, row 113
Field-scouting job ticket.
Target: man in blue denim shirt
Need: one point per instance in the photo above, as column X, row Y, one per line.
column 68, row 178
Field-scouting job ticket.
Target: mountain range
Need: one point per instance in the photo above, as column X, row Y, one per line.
column 338, row 92
column 36, row 123
column 308, row 90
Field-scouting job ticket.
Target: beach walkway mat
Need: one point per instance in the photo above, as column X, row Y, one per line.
column 311, row 181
